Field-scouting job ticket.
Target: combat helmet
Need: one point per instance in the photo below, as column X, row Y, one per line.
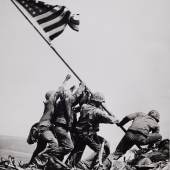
column 154, row 114
column 98, row 97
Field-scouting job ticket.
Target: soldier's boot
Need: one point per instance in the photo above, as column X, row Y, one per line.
column 107, row 164
column 58, row 164
column 32, row 166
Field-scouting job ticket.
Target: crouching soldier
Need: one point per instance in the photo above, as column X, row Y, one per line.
column 91, row 115
column 137, row 134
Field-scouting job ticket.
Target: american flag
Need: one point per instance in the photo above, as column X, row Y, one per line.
column 53, row 19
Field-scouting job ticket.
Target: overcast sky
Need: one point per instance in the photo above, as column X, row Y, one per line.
column 122, row 50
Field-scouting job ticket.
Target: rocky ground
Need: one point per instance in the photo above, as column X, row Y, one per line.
column 155, row 158
column 143, row 163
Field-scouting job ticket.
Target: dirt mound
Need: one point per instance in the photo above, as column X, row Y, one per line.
column 155, row 158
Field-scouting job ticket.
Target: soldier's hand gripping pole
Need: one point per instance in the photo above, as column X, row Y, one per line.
column 118, row 124
column 66, row 79
column 113, row 115
column 116, row 120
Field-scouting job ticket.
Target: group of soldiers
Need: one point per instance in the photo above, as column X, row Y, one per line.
column 70, row 122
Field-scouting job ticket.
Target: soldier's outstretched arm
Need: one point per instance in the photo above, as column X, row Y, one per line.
column 79, row 90
column 66, row 80
column 102, row 117
column 61, row 89
column 73, row 98
column 63, row 85
column 129, row 117
column 69, row 100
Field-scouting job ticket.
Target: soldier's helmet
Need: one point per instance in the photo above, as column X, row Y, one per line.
column 98, row 97
column 155, row 114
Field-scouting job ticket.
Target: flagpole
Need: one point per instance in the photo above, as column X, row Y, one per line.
column 58, row 55
column 47, row 42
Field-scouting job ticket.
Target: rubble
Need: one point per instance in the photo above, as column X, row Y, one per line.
column 156, row 158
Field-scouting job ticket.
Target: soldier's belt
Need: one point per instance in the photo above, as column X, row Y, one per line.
column 65, row 126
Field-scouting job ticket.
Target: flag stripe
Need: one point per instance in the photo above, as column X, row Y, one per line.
column 55, row 35
column 56, row 32
column 64, row 21
column 58, row 29
column 46, row 24
column 52, row 16
column 39, row 17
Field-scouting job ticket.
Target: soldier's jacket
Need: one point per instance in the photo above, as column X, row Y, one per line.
column 141, row 123
column 59, row 111
column 63, row 109
column 90, row 118
column 59, row 115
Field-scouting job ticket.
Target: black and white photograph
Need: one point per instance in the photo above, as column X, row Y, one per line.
column 84, row 85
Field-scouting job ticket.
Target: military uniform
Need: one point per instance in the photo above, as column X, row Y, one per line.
column 138, row 133
column 87, row 163
column 54, row 125
column 86, row 129
column 63, row 119
column 46, row 136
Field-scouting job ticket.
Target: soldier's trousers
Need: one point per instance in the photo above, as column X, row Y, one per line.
column 64, row 141
column 41, row 145
column 87, row 163
column 93, row 141
column 47, row 138
column 58, row 145
column 130, row 139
